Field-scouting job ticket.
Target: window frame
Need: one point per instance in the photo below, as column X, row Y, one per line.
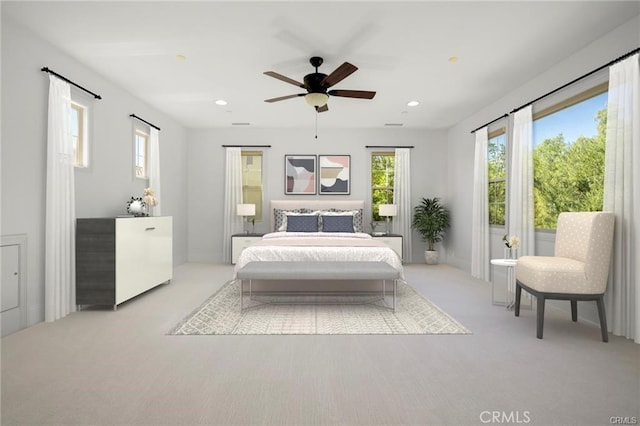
column 491, row 135
column 141, row 131
column 577, row 95
column 82, row 103
column 375, row 217
column 258, row 202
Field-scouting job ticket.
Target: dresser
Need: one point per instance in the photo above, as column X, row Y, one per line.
column 120, row 258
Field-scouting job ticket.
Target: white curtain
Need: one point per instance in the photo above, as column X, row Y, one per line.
column 233, row 224
column 480, row 209
column 402, row 199
column 622, row 196
column 520, row 183
column 154, row 168
column 60, row 280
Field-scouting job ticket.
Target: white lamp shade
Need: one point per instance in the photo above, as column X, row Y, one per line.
column 388, row 210
column 316, row 99
column 246, row 210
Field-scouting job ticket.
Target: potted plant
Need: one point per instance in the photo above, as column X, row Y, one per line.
column 431, row 219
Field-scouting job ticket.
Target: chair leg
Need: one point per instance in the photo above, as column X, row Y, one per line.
column 603, row 318
column 574, row 310
column 540, row 316
column 516, row 308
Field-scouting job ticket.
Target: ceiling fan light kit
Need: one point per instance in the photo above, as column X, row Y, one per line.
column 316, row 99
column 317, row 84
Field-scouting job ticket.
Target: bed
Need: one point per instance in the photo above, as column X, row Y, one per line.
column 327, row 245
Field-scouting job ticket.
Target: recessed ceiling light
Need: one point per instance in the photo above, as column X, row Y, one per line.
column 393, row 124
column 181, row 57
column 241, row 124
column 453, row 59
column 413, row 103
column 221, row 102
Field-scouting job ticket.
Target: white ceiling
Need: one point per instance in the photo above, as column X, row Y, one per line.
column 401, row 49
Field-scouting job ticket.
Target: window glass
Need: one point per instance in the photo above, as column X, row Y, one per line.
column 252, row 180
column 496, row 158
column 78, row 123
column 141, row 154
column 382, row 175
column 568, row 159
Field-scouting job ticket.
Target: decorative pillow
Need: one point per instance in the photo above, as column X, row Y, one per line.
column 341, row 223
column 302, row 223
column 357, row 217
column 280, row 218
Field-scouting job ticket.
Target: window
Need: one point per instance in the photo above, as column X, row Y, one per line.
column 496, row 158
column 568, row 156
column 141, row 142
column 252, row 180
column 79, row 127
column 382, row 174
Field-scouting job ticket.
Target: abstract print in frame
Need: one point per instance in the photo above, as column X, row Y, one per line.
column 335, row 174
column 300, row 174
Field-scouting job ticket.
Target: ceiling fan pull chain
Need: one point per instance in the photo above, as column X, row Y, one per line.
column 316, row 122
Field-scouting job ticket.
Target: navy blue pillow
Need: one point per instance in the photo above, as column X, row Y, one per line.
column 337, row 223
column 307, row 223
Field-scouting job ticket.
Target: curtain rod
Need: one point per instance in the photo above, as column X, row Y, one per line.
column 46, row 69
column 246, row 146
column 563, row 86
column 492, row 121
column 625, row 56
column 145, row 121
column 388, row 146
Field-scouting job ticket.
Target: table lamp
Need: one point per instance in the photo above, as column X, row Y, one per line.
column 247, row 210
column 388, row 210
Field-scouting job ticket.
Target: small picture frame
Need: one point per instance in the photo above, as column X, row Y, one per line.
column 300, row 174
column 334, row 174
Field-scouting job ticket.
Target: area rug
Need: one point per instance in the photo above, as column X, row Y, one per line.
column 220, row 314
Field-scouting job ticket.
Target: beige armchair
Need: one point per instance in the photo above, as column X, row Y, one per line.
column 578, row 270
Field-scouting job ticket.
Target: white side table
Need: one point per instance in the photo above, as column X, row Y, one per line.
column 511, row 282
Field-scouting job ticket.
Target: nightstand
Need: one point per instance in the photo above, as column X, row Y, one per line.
column 240, row 242
column 394, row 241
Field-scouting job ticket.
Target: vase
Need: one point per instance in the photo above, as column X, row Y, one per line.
column 510, row 253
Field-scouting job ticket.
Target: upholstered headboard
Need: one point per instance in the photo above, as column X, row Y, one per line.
column 316, row 204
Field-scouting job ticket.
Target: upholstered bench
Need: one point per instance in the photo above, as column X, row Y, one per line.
column 287, row 270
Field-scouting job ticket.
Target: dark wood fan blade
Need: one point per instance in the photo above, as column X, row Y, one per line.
column 284, row 78
column 323, row 108
column 282, row 98
column 361, row 94
column 340, row 73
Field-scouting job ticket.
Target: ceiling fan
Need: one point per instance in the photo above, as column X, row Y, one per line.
column 317, row 84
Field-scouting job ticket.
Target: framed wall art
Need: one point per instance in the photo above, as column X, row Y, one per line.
column 335, row 174
column 300, row 174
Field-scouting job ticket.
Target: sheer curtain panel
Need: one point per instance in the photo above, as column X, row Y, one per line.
column 402, row 199
column 480, row 209
column 232, row 197
column 622, row 196
column 60, row 285
column 520, row 183
column 154, row 168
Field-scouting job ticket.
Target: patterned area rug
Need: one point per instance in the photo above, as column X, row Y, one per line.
column 220, row 314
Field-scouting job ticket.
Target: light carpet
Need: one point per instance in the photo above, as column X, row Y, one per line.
column 220, row 314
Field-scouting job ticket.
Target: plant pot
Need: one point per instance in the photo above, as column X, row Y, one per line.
column 431, row 257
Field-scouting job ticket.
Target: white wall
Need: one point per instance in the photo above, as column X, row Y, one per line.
column 461, row 147
column 104, row 188
column 461, row 142
column 206, row 172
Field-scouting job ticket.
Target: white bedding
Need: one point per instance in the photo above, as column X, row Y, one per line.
column 319, row 247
